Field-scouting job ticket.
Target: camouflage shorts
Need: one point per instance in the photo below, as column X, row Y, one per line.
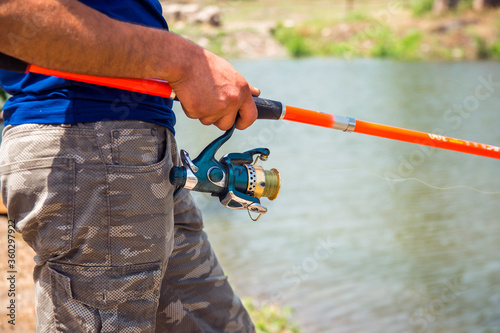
column 115, row 253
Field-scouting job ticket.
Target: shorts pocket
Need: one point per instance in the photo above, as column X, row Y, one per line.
column 117, row 297
column 141, row 211
column 137, row 146
column 39, row 197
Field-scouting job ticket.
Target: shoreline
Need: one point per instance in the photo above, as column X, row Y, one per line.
column 371, row 30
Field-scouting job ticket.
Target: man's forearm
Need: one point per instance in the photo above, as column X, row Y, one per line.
column 70, row 36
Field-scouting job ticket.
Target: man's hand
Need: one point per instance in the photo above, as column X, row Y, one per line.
column 211, row 90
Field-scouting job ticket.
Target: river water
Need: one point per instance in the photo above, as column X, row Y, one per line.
column 368, row 234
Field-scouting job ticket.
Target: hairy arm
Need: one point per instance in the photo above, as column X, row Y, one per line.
column 69, row 36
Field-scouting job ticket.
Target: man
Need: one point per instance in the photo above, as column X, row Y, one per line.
column 84, row 168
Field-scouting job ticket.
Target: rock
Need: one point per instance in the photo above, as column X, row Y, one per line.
column 453, row 25
column 179, row 12
column 192, row 13
column 253, row 45
column 209, row 15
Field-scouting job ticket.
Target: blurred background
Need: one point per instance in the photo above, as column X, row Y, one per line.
column 367, row 234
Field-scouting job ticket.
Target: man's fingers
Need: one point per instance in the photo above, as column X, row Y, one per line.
column 225, row 122
column 224, row 119
column 247, row 114
column 248, row 111
column 255, row 92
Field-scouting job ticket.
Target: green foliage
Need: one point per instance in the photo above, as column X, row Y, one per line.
column 375, row 40
column 421, row 7
column 482, row 49
column 356, row 15
column 388, row 45
column 464, row 5
column 293, row 39
column 3, row 96
column 270, row 318
column 485, row 50
column 495, row 50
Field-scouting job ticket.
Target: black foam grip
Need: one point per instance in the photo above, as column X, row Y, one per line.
column 268, row 109
column 12, row 64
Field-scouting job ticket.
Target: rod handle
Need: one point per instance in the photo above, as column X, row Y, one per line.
column 269, row 109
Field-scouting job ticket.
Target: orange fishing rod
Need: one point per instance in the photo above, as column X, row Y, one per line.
column 146, row 86
column 269, row 109
column 348, row 124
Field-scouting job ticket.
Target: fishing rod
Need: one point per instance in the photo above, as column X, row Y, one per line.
column 271, row 109
column 274, row 110
column 236, row 178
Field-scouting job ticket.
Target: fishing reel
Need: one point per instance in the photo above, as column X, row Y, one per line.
column 236, row 178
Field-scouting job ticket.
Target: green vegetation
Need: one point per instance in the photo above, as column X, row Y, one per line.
column 297, row 41
column 420, row 7
column 389, row 35
column 423, row 7
column 485, row 50
column 270, row 318
column 367, row 39
column 3, row 98
column 464, row 5
column 405, row 48
column 495, row 50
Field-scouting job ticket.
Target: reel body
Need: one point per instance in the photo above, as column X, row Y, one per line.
column 235, row 179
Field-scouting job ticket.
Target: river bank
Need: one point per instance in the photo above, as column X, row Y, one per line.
column 386, row 29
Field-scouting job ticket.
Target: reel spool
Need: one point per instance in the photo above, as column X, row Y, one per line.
column 236, row 179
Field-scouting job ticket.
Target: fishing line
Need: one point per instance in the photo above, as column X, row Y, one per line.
column 415, row 179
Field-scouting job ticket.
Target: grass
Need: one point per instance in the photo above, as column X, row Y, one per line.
column 486, row 50
column 388, row 45
column 421, row 7
column 373, row 39
column 270, row 318
column 495, row 50
column 296, row 41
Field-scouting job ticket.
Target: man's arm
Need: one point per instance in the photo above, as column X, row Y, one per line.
column 69, row 36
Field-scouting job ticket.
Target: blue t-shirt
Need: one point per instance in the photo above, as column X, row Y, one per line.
column 50, row 100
